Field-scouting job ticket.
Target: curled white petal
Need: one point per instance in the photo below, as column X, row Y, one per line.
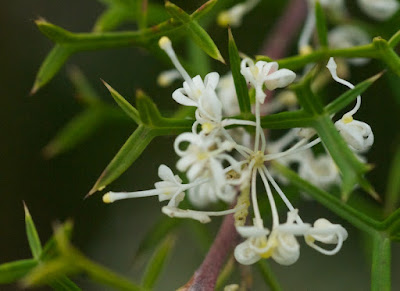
column 328, row 233
column 245, row 255
column 287, row 251
column 357, row 134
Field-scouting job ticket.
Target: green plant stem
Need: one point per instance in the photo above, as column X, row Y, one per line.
column 381, row 269
column 268, row 275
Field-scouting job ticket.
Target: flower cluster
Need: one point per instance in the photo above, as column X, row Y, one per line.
column 223, row 164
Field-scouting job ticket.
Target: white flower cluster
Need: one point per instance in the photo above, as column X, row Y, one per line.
column 220, row 163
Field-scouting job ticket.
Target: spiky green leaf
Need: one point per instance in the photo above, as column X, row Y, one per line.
column 195, row 31
column 13, row 271
column 125, row 157
column 124, row 104
column 31, row 232
column 242, row 91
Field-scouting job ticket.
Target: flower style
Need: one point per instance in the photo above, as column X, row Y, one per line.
column 379, row 9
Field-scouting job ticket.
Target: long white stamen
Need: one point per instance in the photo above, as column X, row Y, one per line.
column 332, row 67
column 285, row 140
column 293, row 150
column 166, row 45
column 281, row 194
column 274, row 210
column 114, row 196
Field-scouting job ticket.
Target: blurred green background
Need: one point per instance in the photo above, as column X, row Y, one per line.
column 54, row 189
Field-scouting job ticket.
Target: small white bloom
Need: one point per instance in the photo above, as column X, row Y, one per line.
column 206, row 194
column 195, row 88
column 265, row 73
column 346, row 36
column 251, row 250
column 233, row 16
column 245, row 254
column 379, row 9
column 203, row 153
column 286, row 249
column 170, row 188
column 320, row 171
column 327, row 233
column 357, row 134
column 166, row 78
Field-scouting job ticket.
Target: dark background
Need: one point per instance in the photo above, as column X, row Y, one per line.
column 54, row 189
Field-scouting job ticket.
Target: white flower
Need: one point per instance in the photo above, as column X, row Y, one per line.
column 285, row 248
column 265, row 73
column 205, row 194
column 379, row 9
column 327, row 233
column 203, row 153
column 170, row 188
column 195, row 88
column 251, row 250
column 320, row 171
column 195, row 92
column 166, row 78
column 233, row 16
column 357, row 134
column 346, row 36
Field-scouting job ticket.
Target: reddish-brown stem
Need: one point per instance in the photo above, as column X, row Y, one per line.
column 206, row 276
column 275, row 46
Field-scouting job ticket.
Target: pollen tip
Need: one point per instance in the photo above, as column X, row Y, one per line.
column 107, row 198
column 164, row 42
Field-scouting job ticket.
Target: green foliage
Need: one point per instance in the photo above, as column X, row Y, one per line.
column 157, row 262
column 242, row 92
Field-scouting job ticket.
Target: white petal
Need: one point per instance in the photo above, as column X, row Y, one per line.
column 185, row 162
column 357, row 134
column 245, row 255
column 211, row 80
column 279, row 79
column 165, row 173
column 180, row 97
